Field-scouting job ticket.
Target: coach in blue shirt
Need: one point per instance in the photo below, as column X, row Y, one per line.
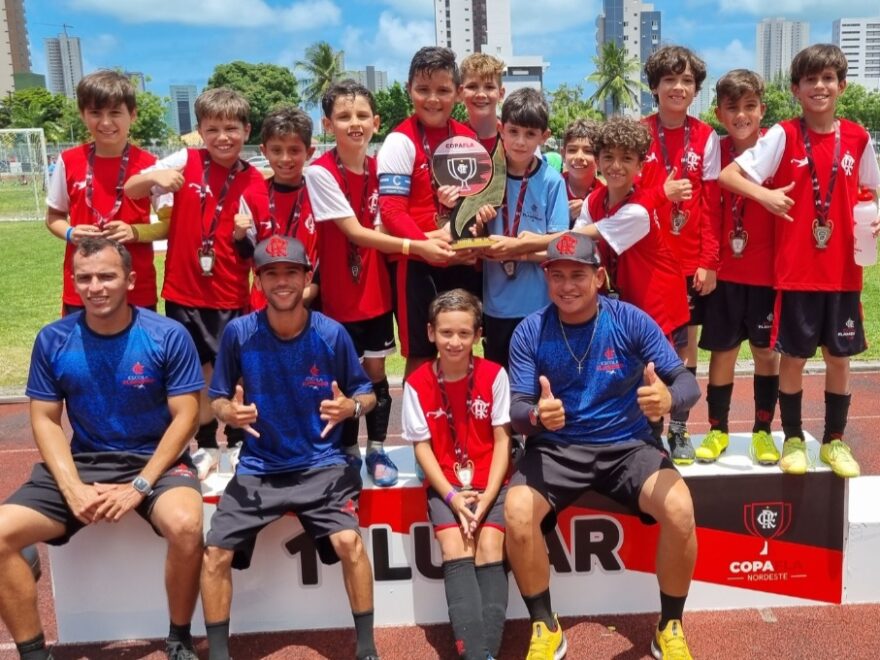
column 130, row 380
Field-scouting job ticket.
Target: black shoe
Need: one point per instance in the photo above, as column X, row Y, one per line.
column 680, row 448
column 178, row 650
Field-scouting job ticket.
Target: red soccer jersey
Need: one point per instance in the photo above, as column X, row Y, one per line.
column 106, row 176
column 640, row 264
column 407, row 201
column 755, row 266
column 345, row 297
column 598, row 184
column 696, row 243
column 800, row 264
column 227, row 287
column 425, row 416
column 292, row 217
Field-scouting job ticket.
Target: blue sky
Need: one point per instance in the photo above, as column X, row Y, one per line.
column 180, row 41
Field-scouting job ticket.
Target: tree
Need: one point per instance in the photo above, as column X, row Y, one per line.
column 859, row 105
column 393, row 106
column 150, row 125
column 38, row 108
column 617, row 78
column 567, row 104
column 780, row 102
column 322, row 67
column 265, row 86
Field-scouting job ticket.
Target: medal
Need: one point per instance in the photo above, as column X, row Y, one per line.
column 355, row 265
column 509, row 269
column 738, row 240
column 465, row 474
column 206, row 260
column 679, row 220
column 822, row 232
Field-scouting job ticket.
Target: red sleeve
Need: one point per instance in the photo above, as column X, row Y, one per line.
column 394, row 211
column 710, row 229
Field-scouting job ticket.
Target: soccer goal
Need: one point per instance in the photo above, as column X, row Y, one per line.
column 24, row 174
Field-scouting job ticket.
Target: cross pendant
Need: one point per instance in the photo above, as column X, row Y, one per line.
column 580, row 368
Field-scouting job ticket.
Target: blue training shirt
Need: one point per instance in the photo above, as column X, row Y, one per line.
column 545, row 211
column 600, row 403
column 287, row 379
column 116, row 387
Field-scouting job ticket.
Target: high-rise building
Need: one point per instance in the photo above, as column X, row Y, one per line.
column 64, row 66
column 483, row 26
column 703, row 99
column 181, row 115
column 777, row 41
column 371, row 78
column 859, row 39
column 635, row 26
column 138, row 80
column 15, row 57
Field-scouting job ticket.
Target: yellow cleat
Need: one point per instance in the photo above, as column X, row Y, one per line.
column 763, row 449
column 670, row 644
column 838, row 456
column 713, row 445
column 547, row 644
column 794, row 456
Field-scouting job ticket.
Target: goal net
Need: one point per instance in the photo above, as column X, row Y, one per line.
column 24, row 174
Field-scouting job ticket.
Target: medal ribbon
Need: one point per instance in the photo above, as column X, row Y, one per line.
column 292, row 219
column 102, row 220
column 822, row 209
column 661, row 135
column 208, row 237
column 354, row 255
column 461, row 455
column 520, row 200
column 737, row 203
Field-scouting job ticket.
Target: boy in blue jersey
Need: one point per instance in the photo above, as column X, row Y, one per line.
column 585, row 379
column 130, row 381
column 294, row 365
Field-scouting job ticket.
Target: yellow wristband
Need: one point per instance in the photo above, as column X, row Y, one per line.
column 406, row 243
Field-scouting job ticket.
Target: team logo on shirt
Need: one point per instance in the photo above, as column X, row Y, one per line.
column 79, row 185
column 849, row 330
column 800, row 162
column 692, row 161
column 198, row 188
column 652, row 158
column 138, row 378
column 479, row 408
column 609, row 361
column 847, row 163
column 373, row 203
column 767, row 323
column 436, row 414
column 310, row 224
column 315, row 380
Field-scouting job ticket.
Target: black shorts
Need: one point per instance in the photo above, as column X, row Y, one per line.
column 324, row 499
column 498, row 332
column 41, row 492
column 696, row 302
column 373, row 338
column 561, row 473
column 805, row 320
column 736, row 312
column 414, row 285
column 678, row 338
column 441, row 515
column 204, row 325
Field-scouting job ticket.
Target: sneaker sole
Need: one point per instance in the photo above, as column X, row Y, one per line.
column 562, row 650
column 798, row 471
column 683, row 461
column 655, row 651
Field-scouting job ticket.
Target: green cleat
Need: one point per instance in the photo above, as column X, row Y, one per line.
column 713, row 445
column 794, row 456
column 763, row 450
column 838, row 456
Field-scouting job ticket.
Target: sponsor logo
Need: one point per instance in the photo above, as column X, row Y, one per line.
column 436, row 414
column 767, row 323
column 79, row 185
column 315, row 380
column 198, row 188
column 138, row 378
column 652, row 158
column 766, row 521
column 849, row 330
column 800, row 162
column 609, row 361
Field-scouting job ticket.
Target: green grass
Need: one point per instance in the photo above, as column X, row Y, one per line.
column 21, row 201
column 30, row 282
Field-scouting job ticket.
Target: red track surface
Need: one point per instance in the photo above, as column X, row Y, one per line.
column 851, row 632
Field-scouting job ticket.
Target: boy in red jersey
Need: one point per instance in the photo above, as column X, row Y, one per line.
column 741, row 307
column 622, row 219
column 579, row 157
column 408, row 198
column 682, row 146
column 85, row 196
column 481, row 91
column 286, row 142
column 815, row 164
column 456, row 412
column 217, row 197
column 344, row 189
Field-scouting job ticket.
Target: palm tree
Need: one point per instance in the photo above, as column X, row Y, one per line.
column 322, row 67
column 617, row 78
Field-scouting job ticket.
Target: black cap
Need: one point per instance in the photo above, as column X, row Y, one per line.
column 572, row 246
column 281, row 250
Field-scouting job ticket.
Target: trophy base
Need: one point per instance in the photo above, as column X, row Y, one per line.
column 471, row 243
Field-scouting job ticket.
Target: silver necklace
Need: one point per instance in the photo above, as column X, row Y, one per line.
column 589, row 346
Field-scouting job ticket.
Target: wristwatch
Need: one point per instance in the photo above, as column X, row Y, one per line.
column 358, row 408
column 142, row 486
column 534, row 417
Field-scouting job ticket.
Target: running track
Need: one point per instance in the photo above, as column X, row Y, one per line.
column 851, row 632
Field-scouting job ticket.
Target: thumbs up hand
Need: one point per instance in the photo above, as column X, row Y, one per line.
column 551, row 412
column 336, row 409
column 677, row 190
column 239, row 415
column 653, row 396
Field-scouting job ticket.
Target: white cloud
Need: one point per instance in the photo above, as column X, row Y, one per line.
column 808, row 10
column 390, row 46
column 417, row 8
column 720, row 60
column 103, row 43
column 294, row 17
